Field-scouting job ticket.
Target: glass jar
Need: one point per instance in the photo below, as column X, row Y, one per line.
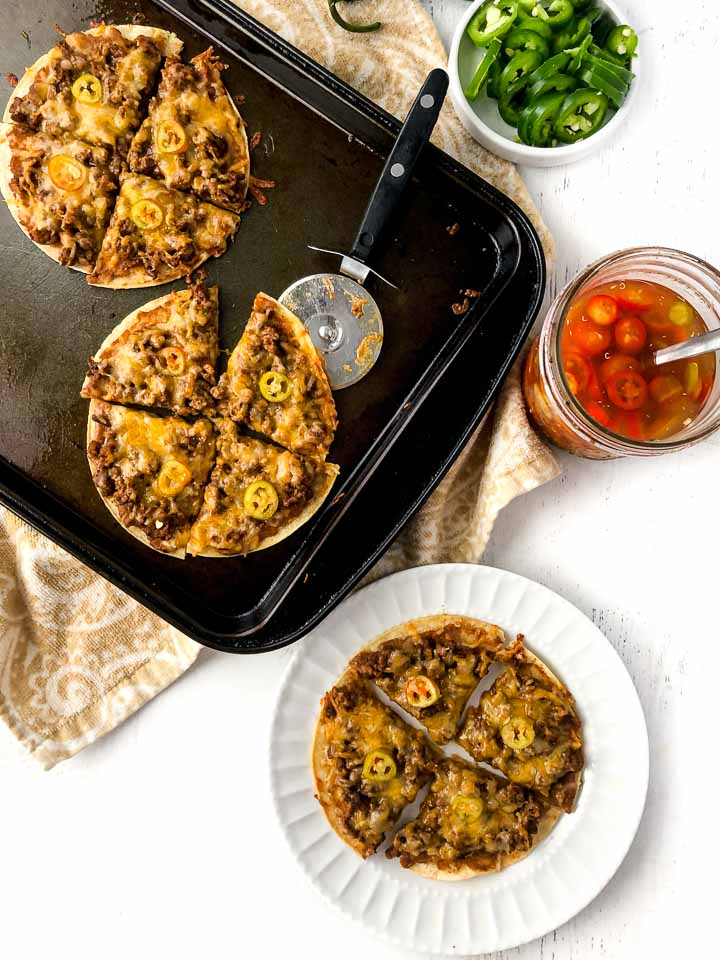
column 552, row 405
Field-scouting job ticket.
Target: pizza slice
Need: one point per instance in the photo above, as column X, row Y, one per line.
column 157, row 235
column 93, row 86
column 194, row 138
column 276, row 383
column 60, row 191
column 368, row 763
column 431, row 666
column 527, row 726
column 258, row 494
column 471, row 822
column 150, row 471
column 162, row 355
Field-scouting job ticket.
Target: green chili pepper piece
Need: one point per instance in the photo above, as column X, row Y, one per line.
column 558, row 13
column 578, row 55
column 556, row 64
column 558, row 83
column 581, row 114
column 512, row 101
column 572, row 36
column 591, row 78
column 595, row 53
column 518, row 40
column 607, row 71
column 346, row 25
column 492, row 20
column 491, row 54
column 537, row 120
column 493, row 80
column 526, row 22
column 521, row 65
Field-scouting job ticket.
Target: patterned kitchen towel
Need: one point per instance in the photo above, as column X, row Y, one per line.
column 77, row 656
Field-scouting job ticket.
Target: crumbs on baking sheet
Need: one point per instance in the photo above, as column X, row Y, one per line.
column 12, row 79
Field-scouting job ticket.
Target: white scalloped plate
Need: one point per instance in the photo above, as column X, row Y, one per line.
column 568, row 869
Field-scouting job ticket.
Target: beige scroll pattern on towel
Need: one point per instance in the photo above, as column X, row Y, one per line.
column 77, row 656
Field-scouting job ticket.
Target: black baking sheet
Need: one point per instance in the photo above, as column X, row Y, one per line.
column 324, row 146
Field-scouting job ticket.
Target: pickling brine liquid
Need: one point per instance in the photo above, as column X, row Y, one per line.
column 608, row 338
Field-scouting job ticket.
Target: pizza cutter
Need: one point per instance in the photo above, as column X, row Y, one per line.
column 342, row 318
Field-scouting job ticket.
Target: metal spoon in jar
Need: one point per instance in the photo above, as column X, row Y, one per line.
column 705, row 343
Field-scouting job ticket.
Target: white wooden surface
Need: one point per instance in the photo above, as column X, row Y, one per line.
column 159, row 841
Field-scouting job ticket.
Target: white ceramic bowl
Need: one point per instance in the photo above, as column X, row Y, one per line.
column 483, row 121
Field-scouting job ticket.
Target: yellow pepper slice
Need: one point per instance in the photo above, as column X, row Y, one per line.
column 147, row 214
column 173, row 477
column 421, row 692
column 680, row 313
column 275, row 386
column 67, row 173
column 174, row 359
column 693, row 383
column 379, row 766
column 261, row 500
column 467, row 809
column 518, row 733
column 87, row 89
column 171, row 138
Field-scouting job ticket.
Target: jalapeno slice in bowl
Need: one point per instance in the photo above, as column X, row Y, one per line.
column 379, row 766
column 537, row 121
column 492, row 20
column 581, row 114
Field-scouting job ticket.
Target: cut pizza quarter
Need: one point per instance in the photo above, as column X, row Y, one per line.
column 257, row 495
column 471, row 822
column 527, row 726
column 93, row 85
column 276, row 383
column 368, row 763
column 150, row 471
column 431, row 666
column 162, row 355
column 60, row 191
column 194, row 138
column 157, row 235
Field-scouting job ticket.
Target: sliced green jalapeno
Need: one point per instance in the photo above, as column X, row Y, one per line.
column 622, row 41
column 578, row 55
column 537, row 120
column 521, row 65
column 581, row 114
column 493, row 81
column 556, row 64
column 592, row 77
column 512, row 100
column 519, row 40
column 492, row 20
column 347, row 25
column 526, row 22
column 572, row 36
column 492, row 52
column 559, row 83
column 558, row 13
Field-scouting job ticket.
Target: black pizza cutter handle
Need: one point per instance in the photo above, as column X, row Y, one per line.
column 416, row 131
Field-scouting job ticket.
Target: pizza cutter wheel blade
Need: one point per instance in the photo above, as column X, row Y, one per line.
column 342, row 318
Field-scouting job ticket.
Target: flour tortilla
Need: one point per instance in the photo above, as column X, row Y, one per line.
column 94, row 432
column 171, row 45
column 320, row 744
column 433, row 872
column 312, row 508
column 50, row 249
